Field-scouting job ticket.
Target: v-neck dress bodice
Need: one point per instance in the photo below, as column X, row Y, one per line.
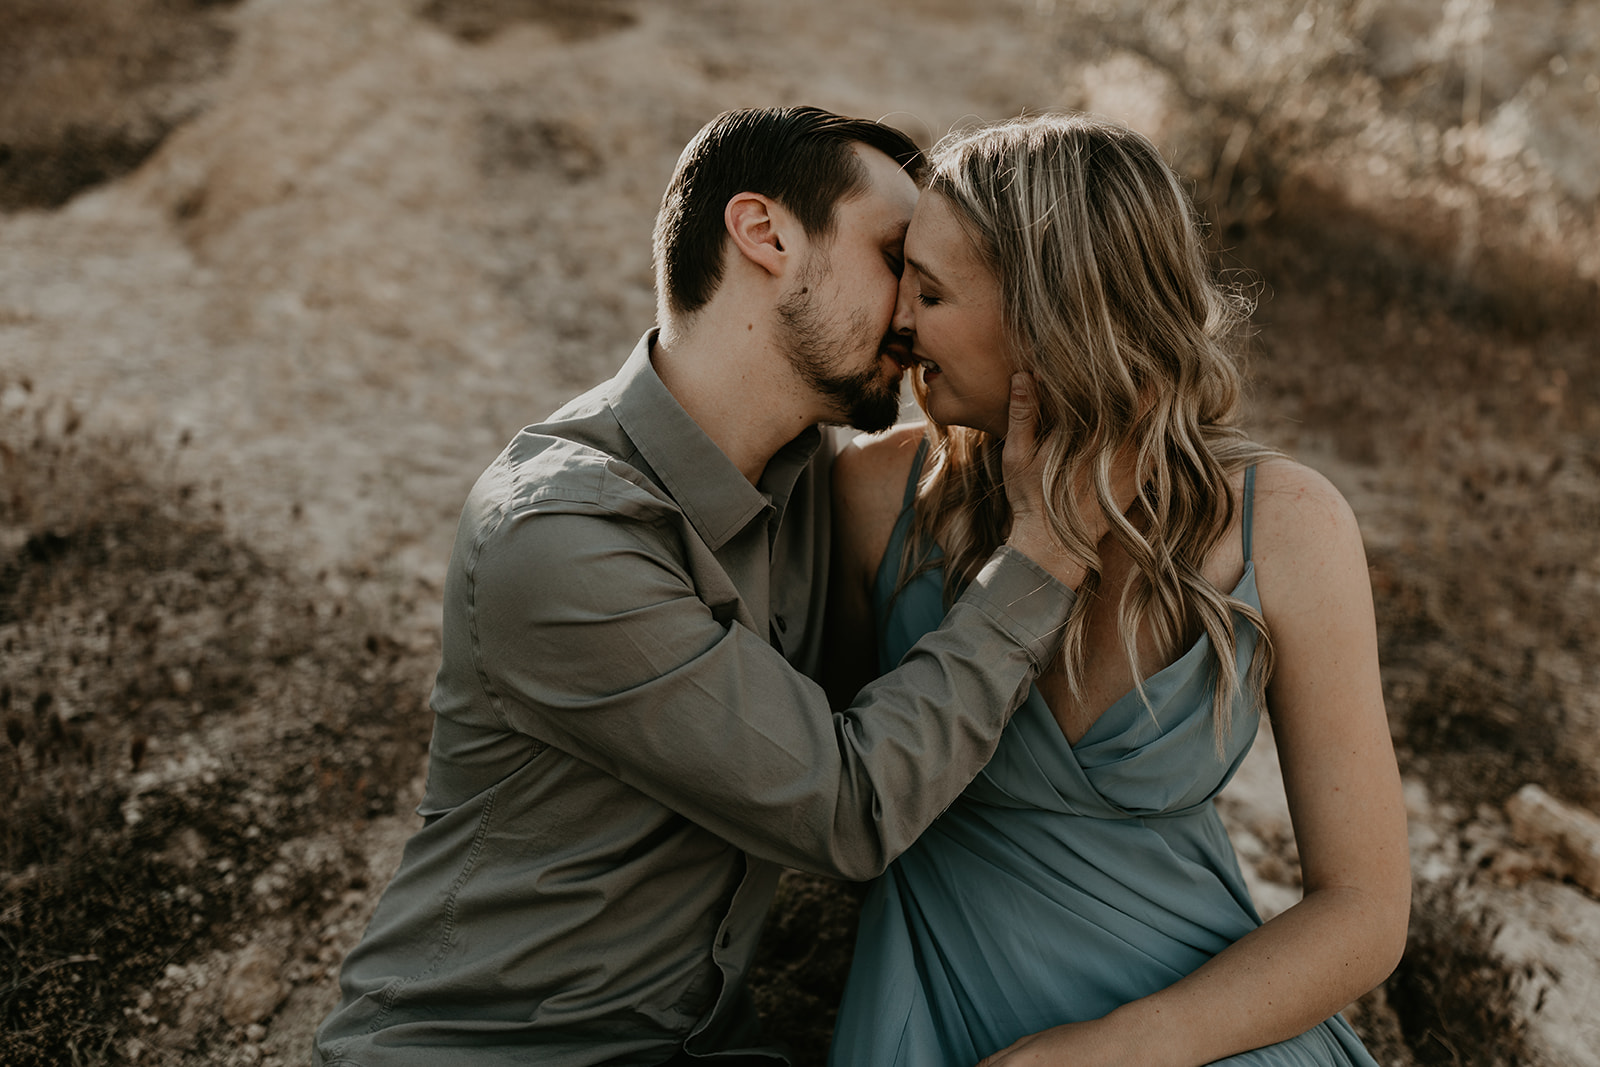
column 1067, row 879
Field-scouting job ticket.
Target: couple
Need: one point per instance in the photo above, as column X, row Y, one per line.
column 1043, row 674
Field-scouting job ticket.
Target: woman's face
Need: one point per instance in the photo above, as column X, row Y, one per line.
column 950, row 301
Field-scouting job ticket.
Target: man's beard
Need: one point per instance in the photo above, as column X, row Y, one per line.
column 865, row 399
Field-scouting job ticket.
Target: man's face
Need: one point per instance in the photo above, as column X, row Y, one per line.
column 835, row 318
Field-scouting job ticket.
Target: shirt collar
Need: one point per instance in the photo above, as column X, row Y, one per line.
column 702, row 480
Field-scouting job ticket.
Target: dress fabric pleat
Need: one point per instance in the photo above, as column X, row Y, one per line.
column 1067, row 879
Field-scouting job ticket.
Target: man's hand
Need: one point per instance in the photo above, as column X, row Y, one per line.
column 1023, row 464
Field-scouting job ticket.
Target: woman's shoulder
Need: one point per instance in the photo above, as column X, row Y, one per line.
column 875, row 463
column 869, row 492
column 1291, row 498
column 1303, row 531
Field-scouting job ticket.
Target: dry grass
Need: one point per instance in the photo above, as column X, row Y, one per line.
column 179, row 708
column 176, row 709
column 1452, row 996
column 89, row 89
column 476, row 20
column 1478, row 434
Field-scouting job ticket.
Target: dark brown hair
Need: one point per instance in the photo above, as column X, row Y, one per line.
column 799, row 156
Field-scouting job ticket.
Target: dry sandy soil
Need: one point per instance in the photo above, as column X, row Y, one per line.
column 278, row 277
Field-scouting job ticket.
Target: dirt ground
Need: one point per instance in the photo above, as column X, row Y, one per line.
column 279, row 277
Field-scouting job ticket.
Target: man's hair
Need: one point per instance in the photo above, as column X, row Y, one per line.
column 801, row 157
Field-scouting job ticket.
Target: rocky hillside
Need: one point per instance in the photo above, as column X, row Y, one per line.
column 278, row 277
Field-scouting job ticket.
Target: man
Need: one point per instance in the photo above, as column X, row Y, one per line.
column 626, row 746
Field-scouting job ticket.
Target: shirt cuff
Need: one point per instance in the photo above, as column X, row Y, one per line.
column 1024, row 600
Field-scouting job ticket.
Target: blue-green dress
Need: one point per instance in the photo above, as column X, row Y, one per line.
column 1067, row 879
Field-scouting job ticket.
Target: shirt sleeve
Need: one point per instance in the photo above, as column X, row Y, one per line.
column 589, row 635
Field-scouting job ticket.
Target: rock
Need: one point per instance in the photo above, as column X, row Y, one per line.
column 377, row 222
column 1545, row 940
column 1566, row 837
column 254, row 988
column 1513, row 867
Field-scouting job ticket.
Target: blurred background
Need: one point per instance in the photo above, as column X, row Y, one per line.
column 278, row 278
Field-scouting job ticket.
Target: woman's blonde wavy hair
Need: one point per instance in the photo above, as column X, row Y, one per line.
column 1110, row 302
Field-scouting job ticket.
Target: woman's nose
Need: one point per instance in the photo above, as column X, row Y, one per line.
column 905, row 319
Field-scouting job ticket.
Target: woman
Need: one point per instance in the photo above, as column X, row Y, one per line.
column 1081, row 904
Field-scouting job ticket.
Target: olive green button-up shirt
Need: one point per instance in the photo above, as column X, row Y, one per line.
column 627, row 748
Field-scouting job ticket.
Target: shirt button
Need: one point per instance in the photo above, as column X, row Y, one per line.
column 723, row 939
column 781, row 623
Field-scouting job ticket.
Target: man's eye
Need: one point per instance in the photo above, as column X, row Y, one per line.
column 896, row 264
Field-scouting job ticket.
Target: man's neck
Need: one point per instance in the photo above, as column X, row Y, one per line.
column 738, row 389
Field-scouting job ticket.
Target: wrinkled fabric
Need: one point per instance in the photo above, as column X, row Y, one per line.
column 626, row 747
column 1066, row 880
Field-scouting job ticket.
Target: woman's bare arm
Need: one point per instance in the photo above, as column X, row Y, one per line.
column 1343, row 786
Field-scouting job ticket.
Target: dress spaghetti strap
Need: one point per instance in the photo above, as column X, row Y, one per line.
column 1249, row 510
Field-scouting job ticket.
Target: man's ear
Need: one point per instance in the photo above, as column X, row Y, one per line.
column 758, row 227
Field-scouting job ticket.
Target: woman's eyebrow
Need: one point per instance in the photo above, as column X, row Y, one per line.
column 924, row 271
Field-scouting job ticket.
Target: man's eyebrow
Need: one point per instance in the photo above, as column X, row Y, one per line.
column 894, row 234
column 924, row 271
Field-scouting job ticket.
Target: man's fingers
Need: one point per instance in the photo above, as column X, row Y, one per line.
column 1031, row 532
column 1022, row 415
column 1022, row 410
